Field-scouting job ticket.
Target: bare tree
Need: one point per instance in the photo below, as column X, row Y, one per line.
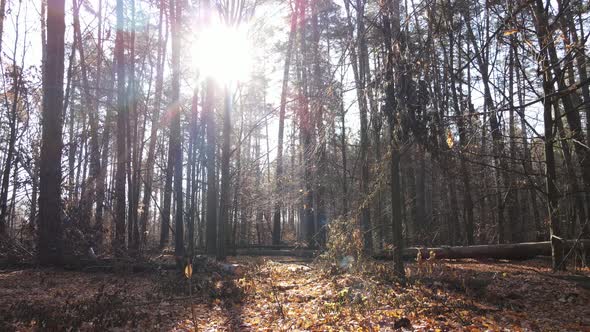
column 50, row 244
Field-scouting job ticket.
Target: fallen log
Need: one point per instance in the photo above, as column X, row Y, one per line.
column 514, row 251
column 305, row 253
column 115, row 265
column 269, row 246
column 108, row 265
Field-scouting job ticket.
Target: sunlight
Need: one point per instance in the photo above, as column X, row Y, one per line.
column 223, row 53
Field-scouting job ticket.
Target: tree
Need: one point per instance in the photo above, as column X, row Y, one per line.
column 550, row 169
column 120, row 172
column 276, row 235
column 225, row 178
column 151, row 155
column 175, row 148
column 50, row 244
column 391, row 23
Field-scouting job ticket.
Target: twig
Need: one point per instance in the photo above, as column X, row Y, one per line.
column 276, row 298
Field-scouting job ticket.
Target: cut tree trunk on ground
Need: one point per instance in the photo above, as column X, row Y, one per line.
column 515, row 251
column 306, row 253
column 271, row 246
column 108, row 265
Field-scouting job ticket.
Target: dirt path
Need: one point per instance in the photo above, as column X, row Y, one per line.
column 283, row 294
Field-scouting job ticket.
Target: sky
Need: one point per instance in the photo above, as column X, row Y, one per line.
column 270, row 20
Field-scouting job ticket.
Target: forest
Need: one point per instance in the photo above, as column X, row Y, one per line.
column 294, row 165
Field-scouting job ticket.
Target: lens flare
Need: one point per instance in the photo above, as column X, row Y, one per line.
column 223, row 53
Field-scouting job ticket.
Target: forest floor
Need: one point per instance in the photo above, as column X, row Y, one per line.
column 289, row 294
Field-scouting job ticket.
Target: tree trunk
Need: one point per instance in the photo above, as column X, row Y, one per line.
column 98, row 177
column 225, row 178
column 151, row 156
column 358, row 68
column 497, row 142
column 572, row 179
column 391, row 22
column 209, row 118
column 120, row 206
column 343, row 147
column 318, row 120
column 131, row 121
column 3, row 14
column 50, row 226
column 10, row 154
column 192, row 172
column 464, row 145
column 515, row 251
column 106, row 139
column 276, row 232
column 306, row 130
column 557, row 249
column 175, row 131
column 90, row 187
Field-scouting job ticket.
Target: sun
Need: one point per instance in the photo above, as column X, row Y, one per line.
column 223, row 53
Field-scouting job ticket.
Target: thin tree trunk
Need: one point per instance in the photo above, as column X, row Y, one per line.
column 306, row 130
column 497, row 142
column 90, row 188
column 360, row 84
column 550, row 169
column 276, row 233
column 391, row 23
column 318, row 120
column 463, row 143
column 105, row 149
column 192, row 172
column 343, row 147
column 225, row 178
column 10, row 154
column 528, row 163
column 120, row 201
column 151, row 156
column 3, row 14
column 175, row 130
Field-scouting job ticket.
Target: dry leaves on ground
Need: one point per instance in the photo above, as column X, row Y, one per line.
column 293, row 295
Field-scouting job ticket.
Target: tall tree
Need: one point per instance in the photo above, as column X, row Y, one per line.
column 225, row 205
column 120, row 172
column 211, row 133
column 391, row 108
column 175, row 134
column 91, row 104
column 50, row 246
column 276, row 231
column 151, row 155
column 550, row 167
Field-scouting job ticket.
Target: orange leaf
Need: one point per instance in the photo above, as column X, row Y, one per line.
column 188, row 271
column 450, row 141
column 510, row 32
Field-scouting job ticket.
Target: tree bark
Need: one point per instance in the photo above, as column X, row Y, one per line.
column 306, row 129
column 276, row 232
column 151, row 155
column 120, row 198
column 497, row 141
column 211, row 132
column 10, row 154
column 50, row 245
column 391, row 22
column 175, row 130
column 90, row 187
column 2, row 16
column 225, row 178
column 516, row 251
column 550, row 171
